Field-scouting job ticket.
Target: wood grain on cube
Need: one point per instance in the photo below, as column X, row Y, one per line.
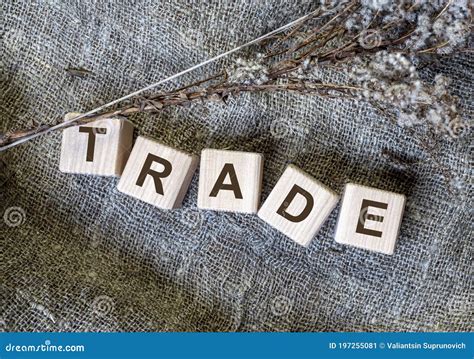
column 157, row 174
column 230, row 180
column 370, row 218
column 298, row 205
column 97, row 148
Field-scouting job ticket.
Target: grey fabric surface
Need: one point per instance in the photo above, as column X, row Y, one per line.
column 84, row 257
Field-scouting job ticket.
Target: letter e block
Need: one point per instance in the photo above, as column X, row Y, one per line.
column 96, row 148
column 230, row 181
column 157, row 174
column 298, row 205
column 370, row 218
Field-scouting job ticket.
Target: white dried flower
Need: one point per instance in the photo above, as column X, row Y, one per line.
column 249, row 71
column 392, row 78
column 436, row 25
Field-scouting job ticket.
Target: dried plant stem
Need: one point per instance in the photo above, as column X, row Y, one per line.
column 320, row 37
column 220, row 93
column 7, row 139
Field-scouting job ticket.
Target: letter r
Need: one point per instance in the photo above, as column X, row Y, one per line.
column 146, row 170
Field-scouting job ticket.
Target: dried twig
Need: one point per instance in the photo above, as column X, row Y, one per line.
column 322, row 39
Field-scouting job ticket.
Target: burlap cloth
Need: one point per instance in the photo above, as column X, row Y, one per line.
column 80, row 256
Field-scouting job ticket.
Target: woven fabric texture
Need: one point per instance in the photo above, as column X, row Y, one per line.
column 77, row 255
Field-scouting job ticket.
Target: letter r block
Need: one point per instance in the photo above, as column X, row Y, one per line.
column 96, row 148
column 157, row 174
column 298, row 205
column 230, row 181
column 370, row 218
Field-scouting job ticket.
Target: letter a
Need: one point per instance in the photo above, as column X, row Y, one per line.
column 232, row 186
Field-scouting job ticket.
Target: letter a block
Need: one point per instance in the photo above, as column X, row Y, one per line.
column 230, row 181
column 157, row 174
column 96, row 148
column 298, row 205
column 370, row 218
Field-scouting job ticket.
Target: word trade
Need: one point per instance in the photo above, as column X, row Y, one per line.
column 297, row 206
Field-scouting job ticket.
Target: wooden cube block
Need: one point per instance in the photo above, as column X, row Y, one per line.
column 97, row 148
column 157, row 174
column 230, row 181
column 298, row 205
column 370, row 218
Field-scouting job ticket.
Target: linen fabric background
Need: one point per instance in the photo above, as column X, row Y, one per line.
column 77, row 255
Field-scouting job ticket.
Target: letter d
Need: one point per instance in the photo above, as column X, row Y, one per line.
column 282, row 211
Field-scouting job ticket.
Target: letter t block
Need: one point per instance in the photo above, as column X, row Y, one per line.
column 96, row 148
column 157, row 174
column 370, row 218
column 298, row 205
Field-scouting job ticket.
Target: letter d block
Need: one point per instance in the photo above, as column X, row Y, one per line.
column 96, row 148
column 230, row 181
column 370, row 218
column 157, row 174
column 298, row 205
